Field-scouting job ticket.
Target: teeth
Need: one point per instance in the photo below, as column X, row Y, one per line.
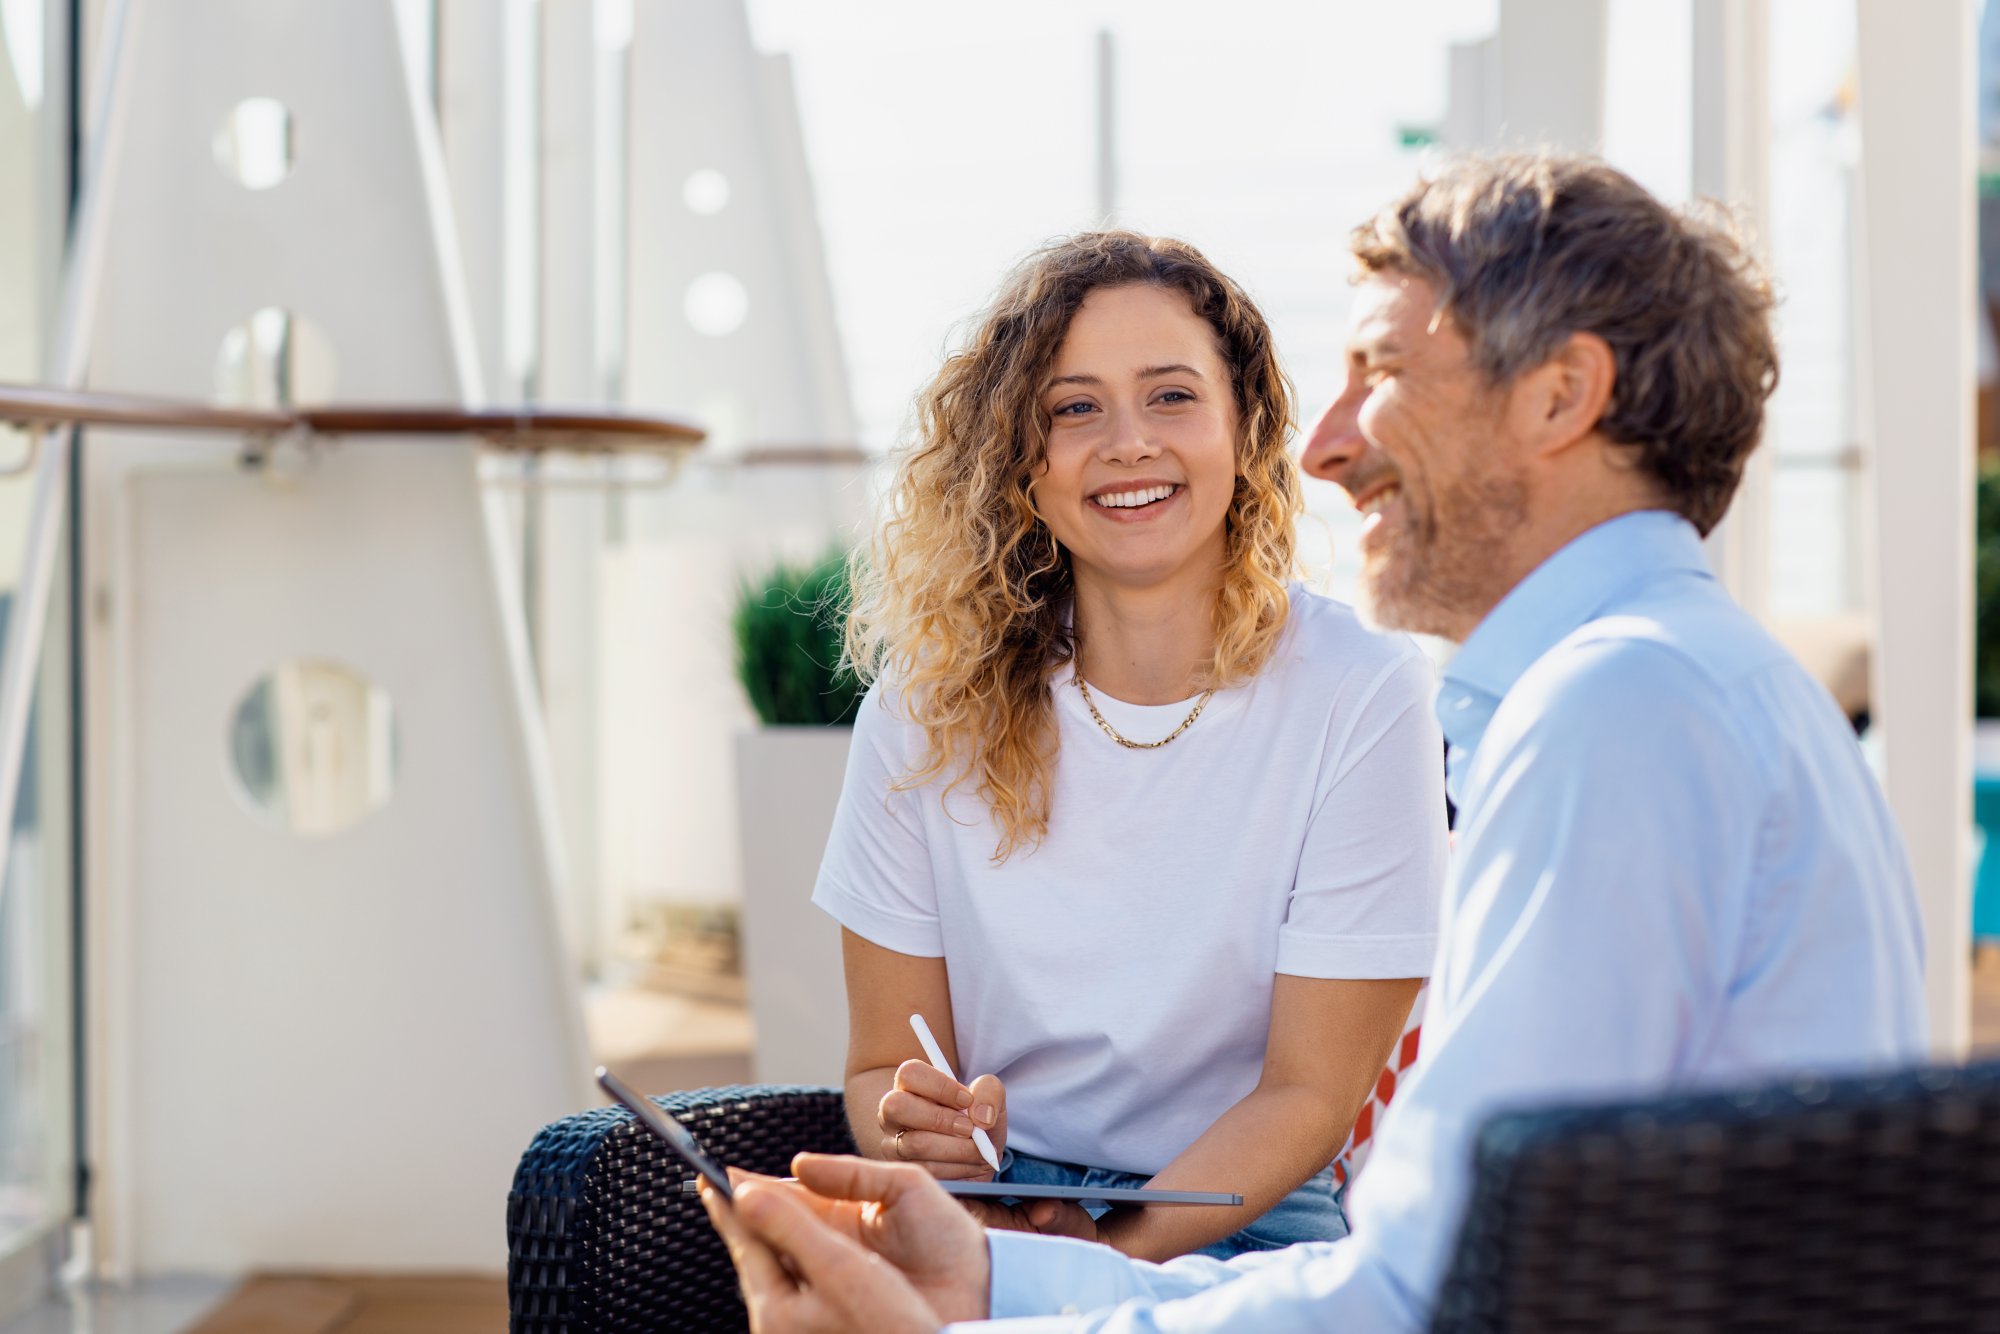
column 1380, row 500
column 1132, row 499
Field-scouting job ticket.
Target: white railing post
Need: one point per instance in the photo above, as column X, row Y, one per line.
column 1730, row 159
column 1916, row 107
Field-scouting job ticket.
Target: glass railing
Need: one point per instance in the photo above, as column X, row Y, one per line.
column 36, row 886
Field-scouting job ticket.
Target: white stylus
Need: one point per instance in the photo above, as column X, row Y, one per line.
column 935, row 1055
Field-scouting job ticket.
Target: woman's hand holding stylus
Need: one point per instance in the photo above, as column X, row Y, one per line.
column 927, row 1117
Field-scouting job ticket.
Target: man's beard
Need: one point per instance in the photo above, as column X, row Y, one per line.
column 1441, row 573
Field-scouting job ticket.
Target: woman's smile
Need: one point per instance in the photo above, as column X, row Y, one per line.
column 1136, row 502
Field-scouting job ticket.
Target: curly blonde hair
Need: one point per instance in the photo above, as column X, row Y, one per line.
column 964, row 599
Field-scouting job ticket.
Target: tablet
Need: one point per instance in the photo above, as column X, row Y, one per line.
column 1019, row 1190
column 684, row 1146
column 1006, row 1191
column 673, row 1132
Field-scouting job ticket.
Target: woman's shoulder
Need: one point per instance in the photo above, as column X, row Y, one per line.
column 883, row 715
column 1328, row 636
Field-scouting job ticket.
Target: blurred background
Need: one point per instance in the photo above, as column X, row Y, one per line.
column 372, row 779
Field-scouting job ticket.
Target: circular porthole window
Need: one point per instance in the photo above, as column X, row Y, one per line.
column 312, row 746
column 705, row 192
column 274, row 359
column 253, row 145
column 716, row 304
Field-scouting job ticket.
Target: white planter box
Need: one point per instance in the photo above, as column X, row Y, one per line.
column 788, row 783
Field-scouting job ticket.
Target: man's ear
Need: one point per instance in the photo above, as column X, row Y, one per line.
column 1561, row 401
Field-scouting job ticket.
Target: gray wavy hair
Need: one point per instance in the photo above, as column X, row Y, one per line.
column 1527, row 249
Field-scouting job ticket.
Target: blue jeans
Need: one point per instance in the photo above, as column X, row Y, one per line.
column 1310, row 1213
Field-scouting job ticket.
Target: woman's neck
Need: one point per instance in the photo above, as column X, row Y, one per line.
column 1145, row 645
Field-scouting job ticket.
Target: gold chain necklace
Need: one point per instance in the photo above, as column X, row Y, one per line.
column 1128, row 743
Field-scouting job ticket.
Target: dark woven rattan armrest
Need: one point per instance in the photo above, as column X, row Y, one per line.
column 1837, row 1206
column 600, row 1237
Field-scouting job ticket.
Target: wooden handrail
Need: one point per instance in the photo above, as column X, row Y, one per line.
column 531, row 428
column 35, row 406
column 803, row 456
column 525, row 428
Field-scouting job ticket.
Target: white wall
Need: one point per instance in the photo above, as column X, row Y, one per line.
column 271, row 1017
column 672, row 708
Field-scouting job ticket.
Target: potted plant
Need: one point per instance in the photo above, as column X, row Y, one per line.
column 787, row 626
column 1986, row 603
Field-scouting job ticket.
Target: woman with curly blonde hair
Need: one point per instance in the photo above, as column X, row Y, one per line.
column 1148, row 833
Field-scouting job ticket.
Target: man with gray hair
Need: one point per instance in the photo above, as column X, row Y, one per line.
column 1673, row 868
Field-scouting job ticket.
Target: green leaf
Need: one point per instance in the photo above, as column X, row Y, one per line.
column 788, row 626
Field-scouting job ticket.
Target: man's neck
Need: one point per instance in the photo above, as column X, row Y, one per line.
column 1146, row 645
column 1553, row 530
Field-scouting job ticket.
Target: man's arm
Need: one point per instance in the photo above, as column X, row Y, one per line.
column 1086, row 1289
column 1594, row 920
column 1598, row 889
column 1604, row 851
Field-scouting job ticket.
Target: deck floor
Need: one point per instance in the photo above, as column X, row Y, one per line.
column 323, row 1304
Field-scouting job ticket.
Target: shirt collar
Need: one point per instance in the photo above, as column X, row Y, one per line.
column 1562, row 593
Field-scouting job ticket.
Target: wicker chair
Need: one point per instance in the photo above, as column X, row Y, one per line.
column 1853, row 1205
column 600, row 1238
column 1829, row 1206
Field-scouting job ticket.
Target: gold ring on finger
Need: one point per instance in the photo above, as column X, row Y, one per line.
column 898, row 1141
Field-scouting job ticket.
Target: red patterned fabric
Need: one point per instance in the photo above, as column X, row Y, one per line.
column 1351, row 1158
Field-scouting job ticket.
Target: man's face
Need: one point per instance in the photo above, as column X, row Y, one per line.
column 1417, row 439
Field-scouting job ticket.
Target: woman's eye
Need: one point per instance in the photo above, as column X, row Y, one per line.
column 1075, row 409
column 1176, row 396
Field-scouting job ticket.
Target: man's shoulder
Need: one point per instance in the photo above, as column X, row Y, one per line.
column 1644, row 680
column 1612, row 673
column 1689, row 652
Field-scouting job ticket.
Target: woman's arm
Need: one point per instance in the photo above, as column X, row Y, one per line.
column 889, row 1085
column 1330, row 1038
column 1365, row 902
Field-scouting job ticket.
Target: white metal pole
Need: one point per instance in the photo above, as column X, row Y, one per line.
column 1731, row 137
column 1551, row 73
column 21, row 651
column 1107, row 128
column 1916, row 105
column 472, row 120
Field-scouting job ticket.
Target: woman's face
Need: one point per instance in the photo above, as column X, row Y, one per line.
column 1142, row 441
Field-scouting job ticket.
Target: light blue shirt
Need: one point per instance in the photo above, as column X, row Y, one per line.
column 1673, row 869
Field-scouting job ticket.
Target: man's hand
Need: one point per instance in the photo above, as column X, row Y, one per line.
column 854, row 1245
column 898, row 1212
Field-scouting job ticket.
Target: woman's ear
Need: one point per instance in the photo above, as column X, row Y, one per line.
column 1567, row 395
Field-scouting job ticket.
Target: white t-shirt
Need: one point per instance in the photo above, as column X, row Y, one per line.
column 1118, row 977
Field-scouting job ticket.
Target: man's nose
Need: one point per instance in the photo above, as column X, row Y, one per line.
column 1335, row 441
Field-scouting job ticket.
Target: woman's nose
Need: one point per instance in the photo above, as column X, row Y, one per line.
column 1128, row 440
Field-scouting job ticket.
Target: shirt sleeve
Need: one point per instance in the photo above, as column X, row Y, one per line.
column 876, row 878
column 1371, row 872
column 1604, row 854
column 1053, row 1285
